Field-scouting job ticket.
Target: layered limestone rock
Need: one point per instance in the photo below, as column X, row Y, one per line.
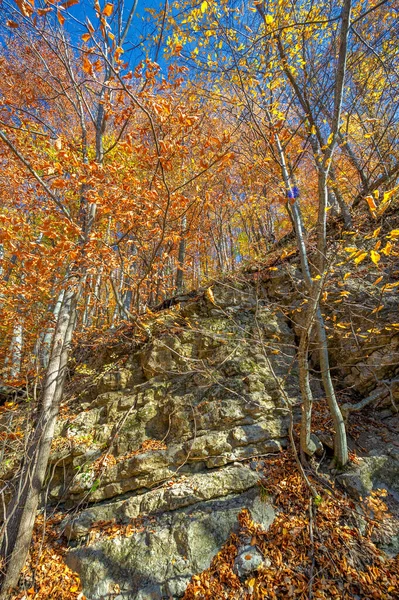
column 364, row 348
column 158, row 560
column 207, row 392
column 165, row 437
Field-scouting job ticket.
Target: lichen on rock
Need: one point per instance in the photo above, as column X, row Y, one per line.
column 179, row 419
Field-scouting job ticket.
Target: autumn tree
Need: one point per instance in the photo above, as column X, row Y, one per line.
column 108, row 160
column 127, row 181
column 292, row 75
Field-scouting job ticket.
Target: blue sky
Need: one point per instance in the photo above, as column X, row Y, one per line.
column 141, row 24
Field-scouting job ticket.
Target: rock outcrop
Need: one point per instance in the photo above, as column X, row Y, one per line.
column 361, row 321
column 158, row 453
column 162, row 447
column 158, row 560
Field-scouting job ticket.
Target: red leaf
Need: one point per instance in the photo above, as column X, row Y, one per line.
column 69, row 3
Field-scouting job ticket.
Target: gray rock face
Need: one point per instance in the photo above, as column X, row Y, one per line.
column 163, row 441
column 159, row 562
column 374, row 472
column 186, row 492
column 378, row 472
column 207, row 392
column 248, row 560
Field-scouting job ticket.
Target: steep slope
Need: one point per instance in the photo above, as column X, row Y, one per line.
column 158, row 446
column 162, row 443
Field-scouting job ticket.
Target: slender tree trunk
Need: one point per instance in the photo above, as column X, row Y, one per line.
column 13, row 359
column 314, row 315
column 48, row 336
column 21, row 511
column 181, row 257
column 340, row 441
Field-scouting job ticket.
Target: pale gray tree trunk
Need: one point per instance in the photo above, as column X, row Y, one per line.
column 13, row 360
column 313, row 315
column 48, row 336
column 181, row 256
column 20, row 516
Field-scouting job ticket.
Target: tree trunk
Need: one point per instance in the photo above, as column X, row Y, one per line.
column 13, row 360
column 314, row 315
column 340, row 442
column 21, row 511
column 181, row 257
column 48, row 336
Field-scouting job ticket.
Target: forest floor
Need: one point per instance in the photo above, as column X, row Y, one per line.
column 323, row 547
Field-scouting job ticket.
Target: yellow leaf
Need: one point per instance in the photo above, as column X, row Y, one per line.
column 269, row 19
column 204, row 6
column 69, row 3
column 350, row 249
column 376, row 232
column 394, row 233
column 375, row 257
column 376, row 310
column 378, row 280
column 209, row 296
column 87, row 66
column 118, row 52
column 346, row 276
column 387, row 249
column 359, row 258
column 388, row 195
column 86, row 37
column 251, row 582
column 108, row 9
